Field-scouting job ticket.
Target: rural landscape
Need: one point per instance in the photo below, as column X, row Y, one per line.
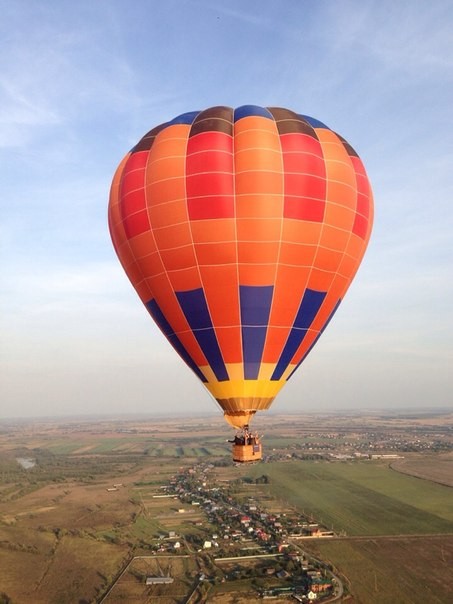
column 355, row 508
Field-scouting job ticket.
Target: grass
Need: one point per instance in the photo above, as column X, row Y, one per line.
column 110, row 445
column 64, row 447
column 361, row 498
column 146, row 528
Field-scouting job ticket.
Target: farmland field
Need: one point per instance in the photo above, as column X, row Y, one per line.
column 92, row 500
column 390, row 562
column 438, row 468
column 131, row 588
column 85, row 564
column 362, row 498
column 393, row 570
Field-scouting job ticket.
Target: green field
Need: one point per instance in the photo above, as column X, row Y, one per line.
column 173, row 447
column 361, row 498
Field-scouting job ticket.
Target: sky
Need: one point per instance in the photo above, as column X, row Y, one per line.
column 81, row 82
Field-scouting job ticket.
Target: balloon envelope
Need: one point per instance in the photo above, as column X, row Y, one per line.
column 241, row 230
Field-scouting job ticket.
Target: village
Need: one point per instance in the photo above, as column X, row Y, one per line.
column 244, row 539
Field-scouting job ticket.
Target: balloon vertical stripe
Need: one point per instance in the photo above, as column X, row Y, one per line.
column 255, row 308
column 193, row 304
column 309, row 306
column 166, row 329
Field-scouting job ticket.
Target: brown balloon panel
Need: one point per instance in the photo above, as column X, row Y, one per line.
column 241, row 230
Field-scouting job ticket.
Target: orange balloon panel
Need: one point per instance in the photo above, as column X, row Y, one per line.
column 241, row 230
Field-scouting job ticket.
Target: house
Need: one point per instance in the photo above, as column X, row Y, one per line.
column 158, row 580
column 319, row 585
column 313, row 573
column 262, row 535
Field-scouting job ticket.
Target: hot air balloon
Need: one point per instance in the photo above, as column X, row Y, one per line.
column 241, row 231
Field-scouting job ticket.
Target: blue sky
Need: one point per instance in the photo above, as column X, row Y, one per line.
column 81, row 82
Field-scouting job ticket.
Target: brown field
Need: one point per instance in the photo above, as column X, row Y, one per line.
column 69, row 505
column 38, row 569
column 131, row 585
column 70, row 540
column 437, row 468
column 415, row 570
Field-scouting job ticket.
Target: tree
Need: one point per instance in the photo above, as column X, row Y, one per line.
column 264, row 479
